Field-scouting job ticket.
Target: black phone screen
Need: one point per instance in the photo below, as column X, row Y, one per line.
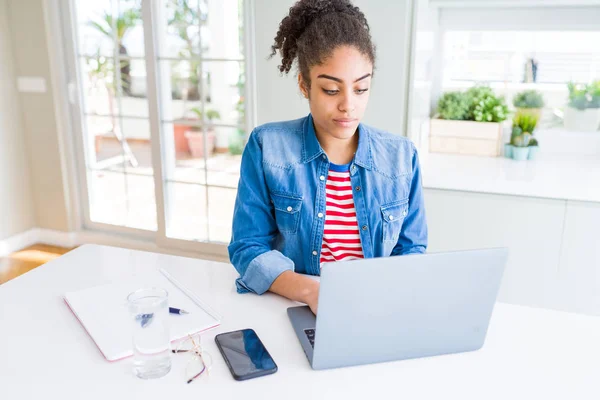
column 245, row 354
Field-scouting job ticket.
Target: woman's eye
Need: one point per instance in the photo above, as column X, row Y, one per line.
column 334, row 92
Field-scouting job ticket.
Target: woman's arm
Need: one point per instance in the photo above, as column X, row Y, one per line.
column 297, row 287
column 254, row 230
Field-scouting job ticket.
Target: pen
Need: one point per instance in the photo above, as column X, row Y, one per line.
column 174, row 310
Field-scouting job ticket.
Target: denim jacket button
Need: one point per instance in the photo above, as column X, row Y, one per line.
column 314, row 252
column 364, row 227
column 357, row 188
column 322, row 178
column 391, row 217
column 289, row 209
column 320, row 215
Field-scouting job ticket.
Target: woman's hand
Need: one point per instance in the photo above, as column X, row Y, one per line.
column 312, row 299
column 297, row 287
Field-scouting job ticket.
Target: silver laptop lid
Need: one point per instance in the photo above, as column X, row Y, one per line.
column 393, row 308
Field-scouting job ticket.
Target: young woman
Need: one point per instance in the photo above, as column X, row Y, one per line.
column 324, row 187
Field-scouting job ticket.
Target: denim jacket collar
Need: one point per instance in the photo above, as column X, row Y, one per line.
column 311, row 148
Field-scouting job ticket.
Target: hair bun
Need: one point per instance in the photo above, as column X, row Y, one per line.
column 341, row 22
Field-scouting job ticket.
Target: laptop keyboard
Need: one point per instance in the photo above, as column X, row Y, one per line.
column 310, row 334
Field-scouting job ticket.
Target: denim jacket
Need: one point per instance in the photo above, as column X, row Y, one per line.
column 279, row 211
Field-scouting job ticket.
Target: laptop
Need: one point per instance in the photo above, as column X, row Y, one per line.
column 395, row 308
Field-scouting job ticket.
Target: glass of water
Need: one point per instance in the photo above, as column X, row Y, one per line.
column 149, row 312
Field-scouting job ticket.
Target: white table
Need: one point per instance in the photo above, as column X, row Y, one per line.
column 529, row 353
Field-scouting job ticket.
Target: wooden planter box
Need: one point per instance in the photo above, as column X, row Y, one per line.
column 465, row 137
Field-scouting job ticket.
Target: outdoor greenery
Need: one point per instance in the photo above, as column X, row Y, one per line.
column 185, row 20
column 116, row 28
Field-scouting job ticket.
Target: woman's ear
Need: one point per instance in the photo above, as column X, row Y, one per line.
column 302, row 86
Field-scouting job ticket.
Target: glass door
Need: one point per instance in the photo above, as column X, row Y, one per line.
column 161, row 102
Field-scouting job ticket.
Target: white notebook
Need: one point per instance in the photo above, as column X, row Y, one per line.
column 102, row 311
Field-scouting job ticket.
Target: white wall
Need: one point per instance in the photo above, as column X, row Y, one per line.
column 31, row 58
column 279, row 97
column 16, row 205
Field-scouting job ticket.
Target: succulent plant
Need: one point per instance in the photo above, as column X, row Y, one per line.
column 485, row 106
column 521, row 140
column 516, row 131
column 526, row 122
column 533, row 142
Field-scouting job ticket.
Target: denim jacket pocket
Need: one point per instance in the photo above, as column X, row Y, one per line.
column 287, row 211
column 392, row 215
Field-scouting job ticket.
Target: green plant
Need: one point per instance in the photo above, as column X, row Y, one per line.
column 516, row 131
column 477, row 104
column 594, row 90
column 453, row 106
column 184, row 18
column 236, row 140
column 485, row 106
column 522, row 140
column 533, row 142
column 526, row 122
column 116, row 28
column 528, row 99
column 582, row 96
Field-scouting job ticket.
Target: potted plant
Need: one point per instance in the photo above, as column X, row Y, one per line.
column 195, row 135
column 533, row 149
column 468, row 123
column 583, row 110
column 453, row 106
column 508, row 147
column 529, row 102
column 183, row 20
column 521, row 137
column 520, row 150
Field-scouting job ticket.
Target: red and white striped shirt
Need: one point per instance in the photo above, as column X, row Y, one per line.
column 341, row 239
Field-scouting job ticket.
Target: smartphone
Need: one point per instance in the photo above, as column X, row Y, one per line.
column 245, row 355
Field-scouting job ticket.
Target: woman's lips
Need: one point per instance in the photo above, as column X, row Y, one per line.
column 344, row 122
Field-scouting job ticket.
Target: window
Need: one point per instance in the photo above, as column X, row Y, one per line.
column 162, row 113
column 511, row 49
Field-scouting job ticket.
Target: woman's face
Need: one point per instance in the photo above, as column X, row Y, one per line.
column 339, row 92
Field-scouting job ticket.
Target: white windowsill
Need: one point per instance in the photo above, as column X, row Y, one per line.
column 564, row 177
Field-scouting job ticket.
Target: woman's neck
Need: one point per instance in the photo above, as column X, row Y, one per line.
column 339, row 151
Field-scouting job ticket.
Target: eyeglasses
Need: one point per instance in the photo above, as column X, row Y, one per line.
column 200, row 360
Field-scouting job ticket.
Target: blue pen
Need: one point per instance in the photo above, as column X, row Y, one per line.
column 179, row 311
